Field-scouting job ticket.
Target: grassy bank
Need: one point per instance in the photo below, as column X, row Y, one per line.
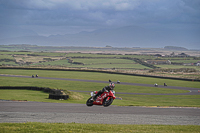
column 91, row 128
column 39, row 96
column 127, row 100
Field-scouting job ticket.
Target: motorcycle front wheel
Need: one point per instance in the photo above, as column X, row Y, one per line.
column 106, row 102
column 89, row 102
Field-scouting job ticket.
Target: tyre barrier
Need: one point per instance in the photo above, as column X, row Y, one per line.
column 54, row 93
column 58, row 97
column 58, row 94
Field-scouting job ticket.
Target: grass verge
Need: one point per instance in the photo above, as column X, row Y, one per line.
column 94, row 128
column 39, row 96
column 127, row 100
column 159, row 100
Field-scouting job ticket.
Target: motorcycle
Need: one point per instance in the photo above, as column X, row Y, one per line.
column 105, row 99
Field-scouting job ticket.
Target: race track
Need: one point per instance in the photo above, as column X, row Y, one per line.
column 15, row 111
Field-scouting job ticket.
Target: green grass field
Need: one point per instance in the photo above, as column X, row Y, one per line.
column 94, row 128
column 111, row 66
column 104, row 61
column 101, row 77
column 63, row 62
column 101, row 61
column 90, row 60
column 128, row 100
column 6, row 57
column 178, row 66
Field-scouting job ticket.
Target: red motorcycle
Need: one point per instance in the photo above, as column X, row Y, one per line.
column 104, row 99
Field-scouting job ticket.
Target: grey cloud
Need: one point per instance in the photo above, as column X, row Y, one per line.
column 99, row 13
column 103, row 10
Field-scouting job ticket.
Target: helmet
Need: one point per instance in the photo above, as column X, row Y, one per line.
column 112, row 86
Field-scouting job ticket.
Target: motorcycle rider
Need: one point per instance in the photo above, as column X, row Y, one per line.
column 105, row 89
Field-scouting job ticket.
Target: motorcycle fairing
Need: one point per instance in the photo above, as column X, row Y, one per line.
column 104, row 95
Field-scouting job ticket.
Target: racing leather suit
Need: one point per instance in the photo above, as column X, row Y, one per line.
column 106, row 88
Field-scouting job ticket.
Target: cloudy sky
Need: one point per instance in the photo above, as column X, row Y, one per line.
column 51, row 17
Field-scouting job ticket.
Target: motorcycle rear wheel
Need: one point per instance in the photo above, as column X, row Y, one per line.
column 107, row 103
column 89, row 102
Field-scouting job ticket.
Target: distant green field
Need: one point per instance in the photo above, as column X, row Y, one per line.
column 7, row 60
column 185, row 61
column 178, row 66
column 6, row 57
column 15, row 53
column 115, row 66
column 91, row 55
column 110, row 55
column 50, row 54
column 34, row 53
column 9, row 63
column 104, row 61
column 63, row 62
column 94, row 61
column 109, row 62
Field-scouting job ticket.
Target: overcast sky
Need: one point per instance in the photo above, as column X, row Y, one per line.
column 48, row 17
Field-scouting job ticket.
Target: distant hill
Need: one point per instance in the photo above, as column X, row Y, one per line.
column 175, row 48
column 129, row 36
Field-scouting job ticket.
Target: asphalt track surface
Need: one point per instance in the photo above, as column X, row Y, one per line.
column 18, row 112
column 15, row 111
